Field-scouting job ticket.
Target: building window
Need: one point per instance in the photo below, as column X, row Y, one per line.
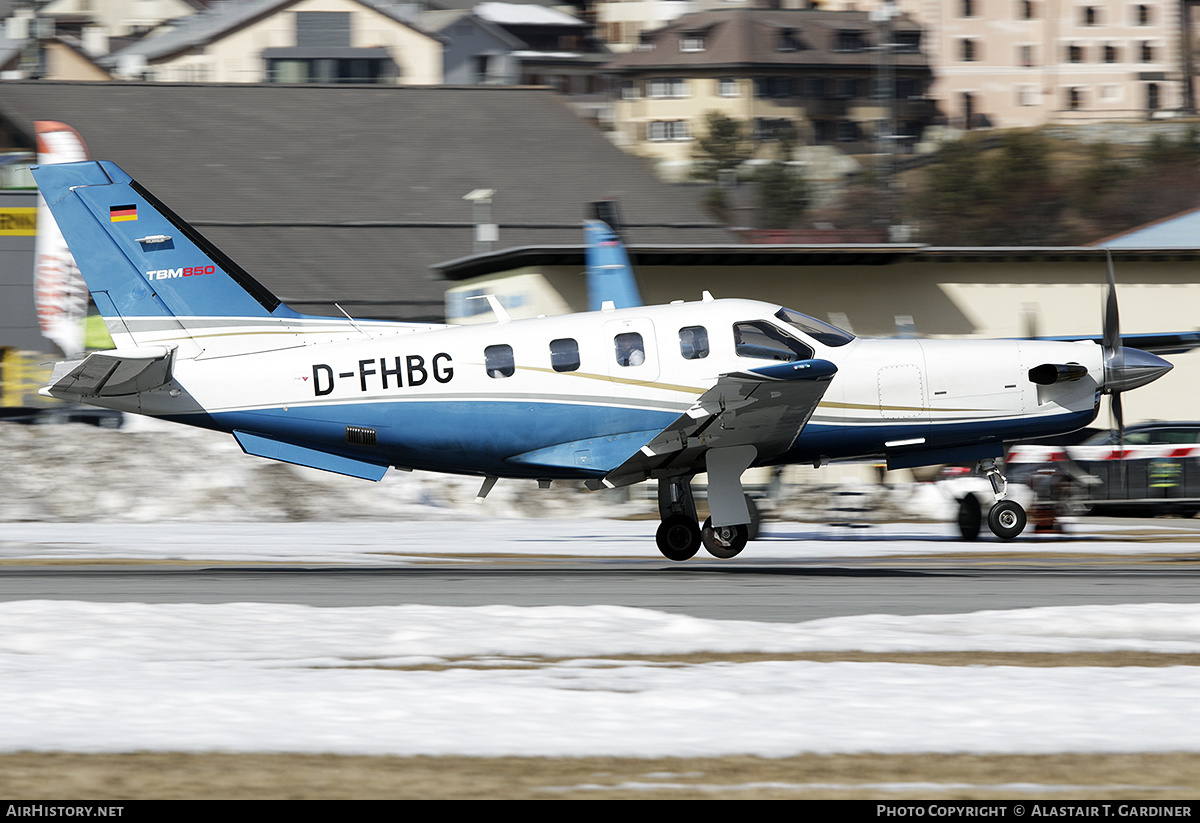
column 693, row 342
column 771, row 128
column 691, row 42
column 499, row 362
column 814, row 87
column 1027, row 95
column 907, row 42
column 1074, row 98
column 1111, row 55
column 564, row 354
column 847, row 131
column 773, row 87
column 1074, row 54
column 323, row 29
column 966, row 8
column 1141, row 15
column 663, row 131
column 630, row 91
column 1147, row 51
column 788, row 40
column 849, row 88
column 728, row 87
column 1025, row 56
column 968, row 50
column 665, row 87
column 851, row 41
column 1026, row 10
column 1089, row 16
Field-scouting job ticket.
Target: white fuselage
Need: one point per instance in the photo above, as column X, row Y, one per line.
column 471, row 398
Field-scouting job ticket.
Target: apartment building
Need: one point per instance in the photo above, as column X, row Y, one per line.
column 818, row 75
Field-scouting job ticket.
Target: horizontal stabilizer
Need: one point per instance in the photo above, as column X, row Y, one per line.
column 112, row 373
column 1155, row 342
column 261, row 446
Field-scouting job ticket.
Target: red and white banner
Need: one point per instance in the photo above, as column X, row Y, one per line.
column 59, row 292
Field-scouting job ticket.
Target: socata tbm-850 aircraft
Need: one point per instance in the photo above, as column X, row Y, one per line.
column 610, row 397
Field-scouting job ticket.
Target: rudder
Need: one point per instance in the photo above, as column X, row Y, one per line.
column 139, row 258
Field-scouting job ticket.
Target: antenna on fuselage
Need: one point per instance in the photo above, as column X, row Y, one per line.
column 357, row 328
column 497, row 308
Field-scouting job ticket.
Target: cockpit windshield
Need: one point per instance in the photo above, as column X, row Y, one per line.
column 822, row 332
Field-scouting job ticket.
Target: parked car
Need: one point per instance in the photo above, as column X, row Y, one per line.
column 1156, row 471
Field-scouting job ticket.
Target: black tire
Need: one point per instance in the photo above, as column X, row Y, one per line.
column 970, row 517
column 678, row 538
column 726, row 547
column 1006, row 519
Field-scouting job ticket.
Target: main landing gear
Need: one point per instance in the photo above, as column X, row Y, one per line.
column 680, row 536
column 1005, row 518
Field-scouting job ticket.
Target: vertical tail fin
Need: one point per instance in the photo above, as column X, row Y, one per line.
column 140, row 259
column 609, row 275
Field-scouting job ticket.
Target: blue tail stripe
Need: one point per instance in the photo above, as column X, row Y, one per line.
column 126, row 255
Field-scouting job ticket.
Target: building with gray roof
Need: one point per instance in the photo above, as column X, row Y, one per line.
column 351, row 193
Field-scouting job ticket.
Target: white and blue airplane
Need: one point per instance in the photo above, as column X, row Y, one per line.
column 610, row 397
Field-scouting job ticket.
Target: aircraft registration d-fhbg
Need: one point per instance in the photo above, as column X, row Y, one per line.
column 610, row 397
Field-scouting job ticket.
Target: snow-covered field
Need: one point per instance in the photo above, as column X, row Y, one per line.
column 506, row 680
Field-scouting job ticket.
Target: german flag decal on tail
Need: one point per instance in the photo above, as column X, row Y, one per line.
column 119, row 214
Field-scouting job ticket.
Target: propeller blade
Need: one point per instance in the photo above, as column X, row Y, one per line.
column 1029, row 319
column 1114, row 354
column 1112, row 319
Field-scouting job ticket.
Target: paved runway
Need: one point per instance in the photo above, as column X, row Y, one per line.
column 784, row 586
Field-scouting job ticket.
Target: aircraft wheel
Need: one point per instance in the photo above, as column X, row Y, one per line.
column 678, row 537
column 970, row 517
column 725, row 542
column 1006, row 519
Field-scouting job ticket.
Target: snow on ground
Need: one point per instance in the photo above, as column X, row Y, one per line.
column 507, row 680
column 543, row 681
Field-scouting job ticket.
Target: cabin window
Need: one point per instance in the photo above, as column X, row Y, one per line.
column 824, row 333
column 499, row 361
column 766, row 342
column 564, row 354
column 693, row 342
column 630, row 350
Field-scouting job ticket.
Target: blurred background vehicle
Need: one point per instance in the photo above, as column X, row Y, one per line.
column 1155, row 471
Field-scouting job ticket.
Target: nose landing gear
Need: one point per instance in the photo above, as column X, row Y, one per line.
column 1005, row 518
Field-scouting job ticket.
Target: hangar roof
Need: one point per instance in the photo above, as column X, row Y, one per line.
column 477, row 265
column 352, row 193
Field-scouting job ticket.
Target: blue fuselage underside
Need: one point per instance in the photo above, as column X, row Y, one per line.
column 483, row 437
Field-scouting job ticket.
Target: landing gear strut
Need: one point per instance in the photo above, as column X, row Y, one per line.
column 1006, row 518
column 678, row 537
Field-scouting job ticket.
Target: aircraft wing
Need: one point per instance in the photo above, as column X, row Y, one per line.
column 1156, row 343
column 112, row 373
column 765, row 408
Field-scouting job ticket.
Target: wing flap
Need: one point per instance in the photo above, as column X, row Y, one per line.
column 766, row 408
column 113, row 373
